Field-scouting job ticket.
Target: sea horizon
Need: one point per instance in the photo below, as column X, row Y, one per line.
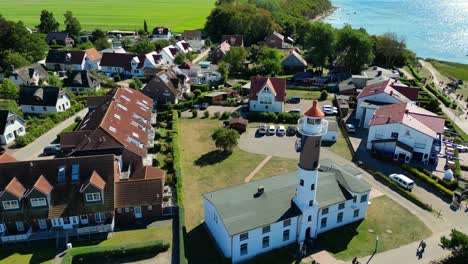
column 436, row 29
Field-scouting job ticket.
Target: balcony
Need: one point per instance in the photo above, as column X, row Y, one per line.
column 307, row 129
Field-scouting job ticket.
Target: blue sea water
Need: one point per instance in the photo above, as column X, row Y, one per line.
column 431, row 28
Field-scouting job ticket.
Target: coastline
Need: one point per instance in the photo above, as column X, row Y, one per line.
column 325, row 14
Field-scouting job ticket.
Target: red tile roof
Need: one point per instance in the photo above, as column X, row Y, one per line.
column 400, row 92
column 5, row 157
column 148, row 172
column 314, row 111
column 138, row 192
column 15, row 187
column 93, row 54
column 43, row 185
column 277, row 85
column 97, row 181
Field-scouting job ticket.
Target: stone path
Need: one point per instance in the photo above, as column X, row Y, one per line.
column 257, row 169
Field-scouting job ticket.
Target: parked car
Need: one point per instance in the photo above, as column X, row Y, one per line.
column 281, row 131
column 294, row 100
column 403, row 181
column 329, row 110
column 262, row 129
column 272, row 130
column 350, row 128
column 291, row 131
column 195, row 107
column 52, row 150
column 295, row 111
column 204, row 106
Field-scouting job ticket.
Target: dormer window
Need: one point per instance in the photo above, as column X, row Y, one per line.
column 61, row 174
column 93, row 197
column 75, row 172
column 10, row 205
column 36, row 202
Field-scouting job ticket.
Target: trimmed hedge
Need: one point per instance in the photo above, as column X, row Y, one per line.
column 428, row 180
column 452, row 185
column 415, row 74
column 394, row 186
column 444, row 99
column 457, row 172
column 270, row 117
column 156, row 246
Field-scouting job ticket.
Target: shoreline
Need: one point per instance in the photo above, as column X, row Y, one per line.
column 325, row 14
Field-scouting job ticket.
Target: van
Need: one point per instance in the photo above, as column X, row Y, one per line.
column 403, row 181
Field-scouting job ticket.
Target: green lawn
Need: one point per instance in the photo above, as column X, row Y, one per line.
column 340, row 147
column 178, row 15
column 303, row 94
column 44, row 251
column 455, row 70
column 395, row 226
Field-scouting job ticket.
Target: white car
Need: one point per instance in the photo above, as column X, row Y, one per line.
column 262, row 129
column 329, row 110
column 281, row 131
column 350, row 128
column 403, row 181
column 271, row 130
column 295, row 111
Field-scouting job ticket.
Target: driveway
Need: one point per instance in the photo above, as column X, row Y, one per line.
column 34, row 149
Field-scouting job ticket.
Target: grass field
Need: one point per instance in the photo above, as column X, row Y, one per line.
column 178, row 15
column 400, row 227
column 452, row 69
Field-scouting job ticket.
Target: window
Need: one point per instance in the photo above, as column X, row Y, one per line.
column 8, row 205
column 266, row 242
column 354, row 198
column 285, row 235
column 244, row 236
column 127, row 209
column 119, row 210
column 301, row 182
column 125, row 98
column 311, row 203
column 323, row 222
column 66, row 220
column 286, row 222
column 61, row 174
column 93, row 197
column 75, row 172
column 84, row 219
column 364, row 198
column 394, row 135
column 111, row 128
column 117, row 116
column 44, row 108
column 32, row 108
column 341, row 206
column 312, row 187
column 266, row 229
column 243, row 249
column 100, row 217
column 325, row 211
column 150, row 207
column 35, row 202
column 356, row 213
column 309, row 218
column 122, row 107
column 339, row 218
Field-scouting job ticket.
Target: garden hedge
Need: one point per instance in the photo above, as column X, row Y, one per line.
column 428, row 180
column 155, row 246
column 270, row 117
column 444, row 99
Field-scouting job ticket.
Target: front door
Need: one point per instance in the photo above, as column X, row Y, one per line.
column 42, row 224
column 20, row 226
column 137, row 212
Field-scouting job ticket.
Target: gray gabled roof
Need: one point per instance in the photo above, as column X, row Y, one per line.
column 241, row 209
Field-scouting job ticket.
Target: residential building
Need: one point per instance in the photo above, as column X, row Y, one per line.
column 40, row 100
column 233, row 40
column 11, row 126
column 278, row 41
column 332, row 132
column 384, row 92
column 192, row 35
column 200, row 75
column 126, row 64
column 256, row 217
column 167, row 86
column 33, row 74
column 161, row 33
column 183, row 46
column 406, row 132
column 81, row 81
column 293, row 62
column 267, row 94
column 5, row 157
column 121, row 125
column 168, row 55
column 93, row 59
column 47, row 199
column 113, row 50
column 60, row 38
column 218, row 54
column 65, row 60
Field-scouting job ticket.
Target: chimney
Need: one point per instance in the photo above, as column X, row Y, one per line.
column 260, row 190
column 406, row 111
column 388, row 120
column 391, row 92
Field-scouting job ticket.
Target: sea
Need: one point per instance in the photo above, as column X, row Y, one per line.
column 432, row 28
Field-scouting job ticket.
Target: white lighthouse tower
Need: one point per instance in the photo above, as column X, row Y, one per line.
column 311, row 128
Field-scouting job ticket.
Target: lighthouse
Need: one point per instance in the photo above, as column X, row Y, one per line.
column 311, row 128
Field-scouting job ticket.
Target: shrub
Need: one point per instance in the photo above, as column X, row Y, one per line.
column 194, row 113
column 225, row 115
column 323, row 95
column 163, row 124
column 217, row 114
column 428, row 180
column 206, row 114
column 77, row 119
column 235, row 114
column 197, row 93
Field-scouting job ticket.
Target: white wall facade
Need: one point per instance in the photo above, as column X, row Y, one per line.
column 82, row 89
column 266, row 102
column 13, row 129
column 368, row 114
column 217, row 229
column 63, row 103
column 92, row 65
column 167, row 57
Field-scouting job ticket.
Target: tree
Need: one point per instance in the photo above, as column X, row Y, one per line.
column 48, row 22
column 85, row 45
column 269, row 61
column 72, row 25
column 458, row 245
column 389, row 50
column 97, row 34
column 145, row 26
column 319, row 43
column 54, row 81
column 9, row 90
column 135, row 84
column 126, row 43
column 143, row 46
column 225, row 138
column 224, row 70
column 179, row 58
column 236, row 58
column 354, row 48
column 15, row 59
column 102, row 43
column 160, row 44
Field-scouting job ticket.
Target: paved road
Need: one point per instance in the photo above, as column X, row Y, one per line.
column 33, row 150
column 201, row 56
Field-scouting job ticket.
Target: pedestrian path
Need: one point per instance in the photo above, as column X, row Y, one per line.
column 257, row 169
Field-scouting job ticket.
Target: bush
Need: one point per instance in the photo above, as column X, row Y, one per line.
column 235, row 114
column 86, row 254
column 206, row 114
column 217, row 114
column 225, row 115
column 451, row 185
column 428, row 180
column 163, row 124
column 445, row 100
column 323, row 95
column 270, row 117
column 194, row 113
column 197, row 93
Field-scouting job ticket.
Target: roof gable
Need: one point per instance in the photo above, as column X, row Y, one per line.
column 15, row 188
column 43, row 185
column 37, row 95
column 278, row 85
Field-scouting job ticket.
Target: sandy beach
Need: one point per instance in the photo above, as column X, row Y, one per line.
column 324, row 15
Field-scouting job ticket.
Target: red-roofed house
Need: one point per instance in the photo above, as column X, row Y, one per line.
column 406, row 132
column 267, row 94
column 382, row 93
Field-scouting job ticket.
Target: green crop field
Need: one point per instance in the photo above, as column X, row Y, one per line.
column 178, row 15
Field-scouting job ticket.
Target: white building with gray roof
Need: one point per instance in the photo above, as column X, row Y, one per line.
column 259, row 216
